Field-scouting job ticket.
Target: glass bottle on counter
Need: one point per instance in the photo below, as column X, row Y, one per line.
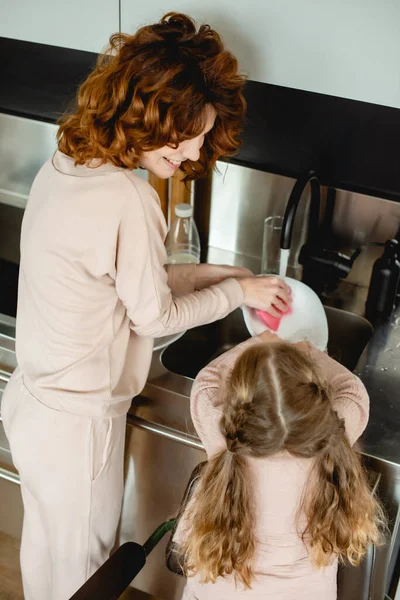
column 183, row 251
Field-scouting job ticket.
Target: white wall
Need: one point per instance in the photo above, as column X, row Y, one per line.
column 347, row 48
column 79, row 24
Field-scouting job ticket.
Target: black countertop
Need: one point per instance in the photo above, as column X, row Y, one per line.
column 352, row 145
column 379, row 370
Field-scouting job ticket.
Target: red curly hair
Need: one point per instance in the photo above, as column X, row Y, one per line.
column 150, row 90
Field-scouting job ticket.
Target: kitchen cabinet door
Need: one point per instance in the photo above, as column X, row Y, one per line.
column 74, row 24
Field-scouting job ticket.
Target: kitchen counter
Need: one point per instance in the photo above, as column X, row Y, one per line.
column 287, row 131
column 378, row 368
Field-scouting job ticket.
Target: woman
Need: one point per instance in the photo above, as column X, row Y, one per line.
column 283, row 496
column 93, row 290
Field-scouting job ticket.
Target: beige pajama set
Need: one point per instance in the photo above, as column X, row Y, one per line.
column 93, row 293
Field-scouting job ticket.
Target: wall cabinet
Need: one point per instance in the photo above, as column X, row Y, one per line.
column 74, row 24
column 346, row 49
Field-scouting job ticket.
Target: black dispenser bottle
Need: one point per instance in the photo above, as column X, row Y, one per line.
column 384, row 282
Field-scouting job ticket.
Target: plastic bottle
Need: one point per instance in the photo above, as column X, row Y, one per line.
column 183, row 248
column 384, row 282
column 183, row 241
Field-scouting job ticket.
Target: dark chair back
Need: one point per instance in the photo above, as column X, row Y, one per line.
column 114, row 576
column 173, row 560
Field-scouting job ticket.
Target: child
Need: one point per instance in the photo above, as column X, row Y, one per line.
column 283, row 496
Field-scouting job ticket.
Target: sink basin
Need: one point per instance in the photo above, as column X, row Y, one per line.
column 348, row 336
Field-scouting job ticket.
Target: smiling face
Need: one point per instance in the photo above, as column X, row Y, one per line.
column 164, row 161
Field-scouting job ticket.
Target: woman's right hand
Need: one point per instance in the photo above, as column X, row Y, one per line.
column 268, row 293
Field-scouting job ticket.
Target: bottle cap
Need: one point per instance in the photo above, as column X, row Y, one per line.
column 183, row 210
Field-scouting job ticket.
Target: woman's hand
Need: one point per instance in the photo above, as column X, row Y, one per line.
column 266, row 293
column 207, row 275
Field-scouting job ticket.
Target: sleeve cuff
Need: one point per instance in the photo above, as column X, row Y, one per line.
column 233, row 292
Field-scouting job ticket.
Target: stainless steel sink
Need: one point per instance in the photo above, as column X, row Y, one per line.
column 348, row 336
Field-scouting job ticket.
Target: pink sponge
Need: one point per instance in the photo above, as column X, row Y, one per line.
column 271, row 322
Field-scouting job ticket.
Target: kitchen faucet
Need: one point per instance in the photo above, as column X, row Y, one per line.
column 293, row 203
column 322, row 268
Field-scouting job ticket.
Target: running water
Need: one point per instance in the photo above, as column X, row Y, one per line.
column 283, row 261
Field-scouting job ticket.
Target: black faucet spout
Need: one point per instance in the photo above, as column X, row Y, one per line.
column 322, row 268
column 293, row 203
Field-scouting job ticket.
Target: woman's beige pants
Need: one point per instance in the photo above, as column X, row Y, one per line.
column 71, row 470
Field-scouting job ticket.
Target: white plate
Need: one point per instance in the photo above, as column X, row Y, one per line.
column 163, row 342
column 306, row 322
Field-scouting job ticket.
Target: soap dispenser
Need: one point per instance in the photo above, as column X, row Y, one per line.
column 384, row 282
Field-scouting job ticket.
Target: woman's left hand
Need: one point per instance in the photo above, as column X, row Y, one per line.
column 207, row 275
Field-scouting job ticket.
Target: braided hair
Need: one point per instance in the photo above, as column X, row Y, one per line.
column 275, row 401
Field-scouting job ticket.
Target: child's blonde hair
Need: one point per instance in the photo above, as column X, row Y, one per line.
column 275, row 401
